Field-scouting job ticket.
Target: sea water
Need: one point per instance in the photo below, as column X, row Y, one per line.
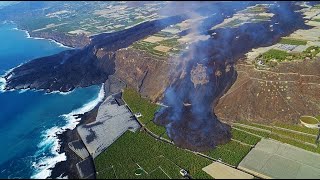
column 30, row 120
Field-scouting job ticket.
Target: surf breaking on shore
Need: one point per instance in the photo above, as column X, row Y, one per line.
column 56, row 42
column 43, row 168
column 28, row 35
column 3, row 81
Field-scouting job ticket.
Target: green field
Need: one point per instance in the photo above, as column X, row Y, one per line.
column 231, row 153
column 297, row 128
column 309, row 120
column 303, row 141
column 146, row 108
column 253, row 131
column 159, row 159
column 156, row 158
column 244, row 137
column 292, row 41
column 149, row 47
column 311, row 51
column 275, row 54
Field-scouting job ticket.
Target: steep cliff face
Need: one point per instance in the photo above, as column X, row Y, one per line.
column 75, row 41
column 146, row 73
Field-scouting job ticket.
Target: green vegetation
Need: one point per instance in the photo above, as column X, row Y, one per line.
column 256, row 9
column 283, row 135
column 231, row 153
column 275, row 54
column 244, row 137
column 151, row 155
column 146, row 108
column 163, row 34
column 259, row 18
column 317, row 6
column 91, row 17
column 296, row 136
column 309, row 120
column 294, row 143
column 261, row 126
column 149, row 47
column 158, row 159
column 293, row 41
column 257, row 132
column 317, row 20
column 311, row 51
column 173, row 42
column 297, row 128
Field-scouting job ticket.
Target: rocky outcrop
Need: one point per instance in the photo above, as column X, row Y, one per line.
column 146, row 73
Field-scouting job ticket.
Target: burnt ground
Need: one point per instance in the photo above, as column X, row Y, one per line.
column 281, row 94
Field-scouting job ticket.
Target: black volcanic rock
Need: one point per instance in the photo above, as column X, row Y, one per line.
column 82, row 67
column 197, row 133
column 64, row 71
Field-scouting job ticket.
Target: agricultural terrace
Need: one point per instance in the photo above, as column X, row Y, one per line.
column 90, row 18
column 292, row 41
column 146, row 108
column 252, row 14
column 274, row 56
column 158, row 159
column 296, row 135
column 162, row 44
column 152, row 158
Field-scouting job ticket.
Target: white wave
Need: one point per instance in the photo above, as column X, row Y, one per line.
column 72, row 120
column 50, row 139
column 61, row 93
column 56, row 42
column 23, row 91
column 62, row 177
column 3, row 83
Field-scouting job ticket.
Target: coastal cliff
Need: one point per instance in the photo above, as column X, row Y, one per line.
column 75, row 41
column 81, row 67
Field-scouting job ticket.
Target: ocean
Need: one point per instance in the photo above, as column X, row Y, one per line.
column 30, row 120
